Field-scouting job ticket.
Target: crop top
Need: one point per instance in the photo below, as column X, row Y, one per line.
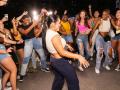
column 49, row 35
column 82, row 28
column 105, row 26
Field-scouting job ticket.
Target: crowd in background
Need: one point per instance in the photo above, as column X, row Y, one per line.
column 93, row 35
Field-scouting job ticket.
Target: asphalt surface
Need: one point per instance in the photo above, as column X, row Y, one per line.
column 89, row 80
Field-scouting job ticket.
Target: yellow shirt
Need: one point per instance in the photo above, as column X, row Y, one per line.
column 18, row 37
column 66, row 26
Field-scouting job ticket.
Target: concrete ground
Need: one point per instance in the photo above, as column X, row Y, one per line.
column 89, row 80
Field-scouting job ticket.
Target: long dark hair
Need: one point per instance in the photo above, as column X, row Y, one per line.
column 46, row 24
column 86, row 19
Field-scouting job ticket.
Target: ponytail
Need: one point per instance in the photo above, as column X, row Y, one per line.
column 46, row 24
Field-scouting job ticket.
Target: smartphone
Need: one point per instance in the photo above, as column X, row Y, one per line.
column 6, row 17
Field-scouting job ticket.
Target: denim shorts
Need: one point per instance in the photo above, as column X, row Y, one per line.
column 117, row 37
column 2, row 56
column 68, row 38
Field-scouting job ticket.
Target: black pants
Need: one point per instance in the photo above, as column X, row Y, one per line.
column 63, row 70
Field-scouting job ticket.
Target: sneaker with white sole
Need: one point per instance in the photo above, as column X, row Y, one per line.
column 118, row 67
column 107, row 67
column 21, row 79
column 45, row 69
column 8, row 84
column 97, row 71
column 10, row 88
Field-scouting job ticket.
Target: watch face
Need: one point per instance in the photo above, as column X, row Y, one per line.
column 6, row 16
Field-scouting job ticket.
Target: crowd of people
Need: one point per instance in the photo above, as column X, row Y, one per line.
column 58, row 42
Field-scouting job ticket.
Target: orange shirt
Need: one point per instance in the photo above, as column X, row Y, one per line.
column 66, row 26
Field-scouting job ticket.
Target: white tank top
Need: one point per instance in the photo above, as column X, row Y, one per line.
column 105, row 26
column 49, row 35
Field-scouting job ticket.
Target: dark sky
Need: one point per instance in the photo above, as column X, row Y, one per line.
column 16, row 7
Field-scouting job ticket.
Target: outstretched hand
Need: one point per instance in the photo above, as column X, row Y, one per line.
column 84, row 62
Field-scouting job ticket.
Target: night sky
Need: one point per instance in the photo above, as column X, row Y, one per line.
column 16, row 7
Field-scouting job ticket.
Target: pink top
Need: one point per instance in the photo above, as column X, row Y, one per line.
column 81, row 28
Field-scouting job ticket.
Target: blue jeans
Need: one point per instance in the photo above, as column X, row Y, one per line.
column 62, row 69
column 83, row 39
column 117, row 37
column 102, row 47
column 30, row 44
column 2, row 56
column 68, row 38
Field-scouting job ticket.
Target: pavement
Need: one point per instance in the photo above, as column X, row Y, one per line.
column 89, row 80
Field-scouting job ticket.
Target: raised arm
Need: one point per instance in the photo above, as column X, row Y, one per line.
column 90, row 11
column 26, row 31
column 14, row 30
column 20, row 17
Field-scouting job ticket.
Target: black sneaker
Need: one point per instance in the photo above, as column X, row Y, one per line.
column 21, row 78
column 45, row 69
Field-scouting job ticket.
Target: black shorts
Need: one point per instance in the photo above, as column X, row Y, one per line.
column 20, row 46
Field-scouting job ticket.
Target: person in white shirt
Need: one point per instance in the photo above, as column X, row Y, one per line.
column 62, row 69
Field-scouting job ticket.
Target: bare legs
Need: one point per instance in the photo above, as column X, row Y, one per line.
column 10, row 69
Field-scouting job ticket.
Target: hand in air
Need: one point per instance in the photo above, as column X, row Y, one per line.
column 90, row 6
column 25, row 13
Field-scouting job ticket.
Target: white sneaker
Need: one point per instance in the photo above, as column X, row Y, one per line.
column 107, row 67
column 8, row 88
column 118, row 67
column 80, row 68
column 8, row 84
column 97, row 71
column 70, row 62
column 91, row 59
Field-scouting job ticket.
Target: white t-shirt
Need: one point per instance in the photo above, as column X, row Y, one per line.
column 49, row 35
